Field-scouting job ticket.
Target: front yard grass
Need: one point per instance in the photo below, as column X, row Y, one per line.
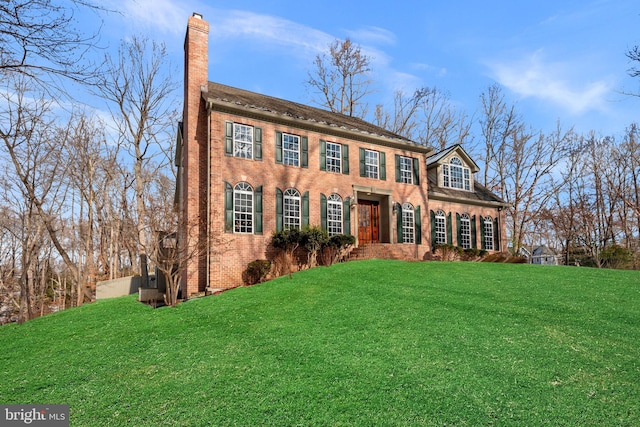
column 361, row 343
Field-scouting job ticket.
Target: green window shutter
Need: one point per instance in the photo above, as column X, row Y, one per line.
column 399, row 223
column 482, row 243
column 228, row 138
column 323, row 155
column 228, row 208
column 278, row 147
column 458, row 230
column 305, row 208
column 433, row 229
column 397, row 168
column 323, row 211
column 383, row 166
column 279, row 210
column 418, row 225
column 362, row 162
column 304, row 161
column 449, row 230
column 474, row 240
column 346, row 216
column 416, row 171
column 257, row 143
column 345, row 159
column 496, row 235
column 257, row 210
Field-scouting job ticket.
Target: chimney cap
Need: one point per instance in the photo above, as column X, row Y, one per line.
column 197, row 15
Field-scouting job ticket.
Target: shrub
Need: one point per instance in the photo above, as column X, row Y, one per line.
column 337, row 248
column 448, row 252
column 313, row 238
column 616, row 256
column 257, row 271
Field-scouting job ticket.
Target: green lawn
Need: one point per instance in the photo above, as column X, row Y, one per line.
column 379, row 343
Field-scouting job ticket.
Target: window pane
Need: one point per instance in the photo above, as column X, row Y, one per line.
column 441, row 228
column 290, row 150
column 408, row 223
column 465, row 231
column 334, row 157
column 371, row 164
column 242, row 141
column 292, row 208
column 488, row 233
column 334, row 215
column 243, row 208
column 406, row 170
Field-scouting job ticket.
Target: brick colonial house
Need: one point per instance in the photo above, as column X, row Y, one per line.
column 250, row 164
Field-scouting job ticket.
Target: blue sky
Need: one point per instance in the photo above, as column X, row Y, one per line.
column 556, row 60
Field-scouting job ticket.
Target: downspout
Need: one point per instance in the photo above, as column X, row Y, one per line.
column 208, row 232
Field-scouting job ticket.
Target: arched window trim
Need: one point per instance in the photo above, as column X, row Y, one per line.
column 408, row 223
column 465, row 231
column 456, row 175
column 488, row 233
column 441, row 227
column 334, row 214
column 292, row 208
column 243, row 208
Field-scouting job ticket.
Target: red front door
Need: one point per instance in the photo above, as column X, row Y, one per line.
column 368, row 222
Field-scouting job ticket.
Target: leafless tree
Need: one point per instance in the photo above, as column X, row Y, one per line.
column 41, row 40
column 340, row 78
column 139, row 85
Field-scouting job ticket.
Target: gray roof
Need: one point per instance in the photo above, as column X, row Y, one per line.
column 252, row 103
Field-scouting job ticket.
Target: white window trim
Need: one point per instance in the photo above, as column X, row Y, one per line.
column 291, row 198
column 372, row 169
column 488, row 234
column 295, row 154
column 465, row 231
column 441, row 232
column 243, row 148
column 243, row 188
column 408, row 223
column 334, row 215
column 334, row 163
column 406, row 170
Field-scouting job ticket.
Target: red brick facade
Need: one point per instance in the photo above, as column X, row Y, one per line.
column 211, row 169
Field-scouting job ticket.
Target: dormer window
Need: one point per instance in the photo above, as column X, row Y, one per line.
column 456, row 175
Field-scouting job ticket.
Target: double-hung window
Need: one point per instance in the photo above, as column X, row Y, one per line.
column 372, row 164
column 242, row 141
column 334, row 157
column 406, row 170
column 290, row 149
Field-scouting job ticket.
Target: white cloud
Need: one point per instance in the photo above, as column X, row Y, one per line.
column 268, row 29
column 372, row 34
column 561, row 83
column 167, row 16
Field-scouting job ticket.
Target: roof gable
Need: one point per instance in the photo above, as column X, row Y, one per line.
column 442, row 156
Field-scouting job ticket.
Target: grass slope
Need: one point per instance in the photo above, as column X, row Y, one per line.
column 361, row 343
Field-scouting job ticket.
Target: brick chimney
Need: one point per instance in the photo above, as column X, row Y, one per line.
column 194, row 117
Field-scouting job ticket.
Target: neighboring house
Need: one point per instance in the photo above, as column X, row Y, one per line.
column 541, row 255
column 250, row 164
